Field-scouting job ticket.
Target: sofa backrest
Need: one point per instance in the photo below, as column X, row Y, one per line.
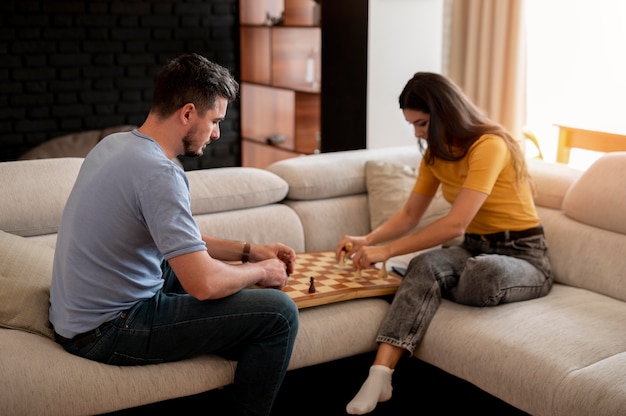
column 333, row 191
column 598, row 198
column 587, row 238
column 329, row 191
column 242, row 203
column 552, row 181
column 33, row 194
column 232, row 203
column 328, row 175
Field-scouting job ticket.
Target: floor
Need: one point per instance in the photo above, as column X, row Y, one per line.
column 325, row 390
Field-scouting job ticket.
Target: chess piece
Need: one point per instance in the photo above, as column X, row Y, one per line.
column 382, row 274
column 342, row 255
column 311, row 284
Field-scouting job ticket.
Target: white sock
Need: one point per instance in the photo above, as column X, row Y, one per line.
column 377, row 388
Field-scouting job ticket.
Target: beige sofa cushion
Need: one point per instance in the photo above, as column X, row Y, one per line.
column 597, row 201
column 388, row 187
column 552, row 181
column 25, row 273
column 43, row 187
column 329, row 175
column 528, row 353
column 227, row 189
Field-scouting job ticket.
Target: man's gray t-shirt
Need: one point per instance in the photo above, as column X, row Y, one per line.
column 128, row 211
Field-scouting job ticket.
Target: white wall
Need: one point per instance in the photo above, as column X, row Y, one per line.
column 405, row 36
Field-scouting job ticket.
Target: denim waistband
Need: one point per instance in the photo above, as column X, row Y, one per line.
column 83, row 339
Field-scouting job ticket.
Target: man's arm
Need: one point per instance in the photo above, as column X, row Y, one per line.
column 232, row 251
column 204, row 277
column 225, row 250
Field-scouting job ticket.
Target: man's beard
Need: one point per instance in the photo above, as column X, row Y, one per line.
column 187, row 143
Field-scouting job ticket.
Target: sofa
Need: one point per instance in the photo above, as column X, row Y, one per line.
column 564, row 354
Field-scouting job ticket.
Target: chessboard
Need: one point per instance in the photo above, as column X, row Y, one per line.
column 335, row 281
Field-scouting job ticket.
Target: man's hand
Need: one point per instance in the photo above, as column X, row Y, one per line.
column 276, row 274
column 274, row 250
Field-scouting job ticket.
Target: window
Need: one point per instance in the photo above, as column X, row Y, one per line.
column 576, row 74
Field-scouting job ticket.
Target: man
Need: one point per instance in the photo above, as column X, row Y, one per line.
column 134, row 280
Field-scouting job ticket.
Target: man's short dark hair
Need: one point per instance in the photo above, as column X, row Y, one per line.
column 191, row 78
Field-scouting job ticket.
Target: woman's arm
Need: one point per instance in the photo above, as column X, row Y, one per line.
column 452, row 225
column 396, row 226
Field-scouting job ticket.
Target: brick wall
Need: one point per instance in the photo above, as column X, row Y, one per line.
column 73, row 65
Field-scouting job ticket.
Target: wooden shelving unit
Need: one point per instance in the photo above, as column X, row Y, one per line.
column 281, row 80
column 286, row 56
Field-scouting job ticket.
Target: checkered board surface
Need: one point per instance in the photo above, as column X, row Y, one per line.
column 334, row 282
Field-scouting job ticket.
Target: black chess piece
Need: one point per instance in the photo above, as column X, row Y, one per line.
column 312, row 284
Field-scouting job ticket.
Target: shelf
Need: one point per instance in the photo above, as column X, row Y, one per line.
column 302, row 12
column 253, row 12
column 260, row 155
column 255, row 54
column 291, row 48
column 303, row 77
column 296, row 12
column 267, row 112
column 280, row 80
column 279, row 56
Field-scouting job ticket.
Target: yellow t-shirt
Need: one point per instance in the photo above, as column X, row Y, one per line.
column 487, row 168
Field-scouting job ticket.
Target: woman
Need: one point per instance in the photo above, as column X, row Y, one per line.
column 503, row 255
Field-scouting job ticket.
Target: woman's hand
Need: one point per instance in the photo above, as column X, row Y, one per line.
column 348, row 246
column 367, row 256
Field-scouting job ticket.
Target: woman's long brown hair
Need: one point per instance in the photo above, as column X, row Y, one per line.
column 455, row 122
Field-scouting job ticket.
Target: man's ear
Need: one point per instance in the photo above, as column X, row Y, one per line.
column 187, row 112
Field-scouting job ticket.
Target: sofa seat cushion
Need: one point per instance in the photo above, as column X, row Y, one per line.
column 337, row 330
column 25, row 274
column 326, row 333
column 603, row 386
column 522, row 352
column 40, row 378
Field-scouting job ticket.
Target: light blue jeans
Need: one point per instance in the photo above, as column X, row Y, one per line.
column 255, row 327
column 477, row 272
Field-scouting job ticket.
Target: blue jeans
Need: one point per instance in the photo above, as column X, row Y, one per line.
column 255, row 327
column 477, row 272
